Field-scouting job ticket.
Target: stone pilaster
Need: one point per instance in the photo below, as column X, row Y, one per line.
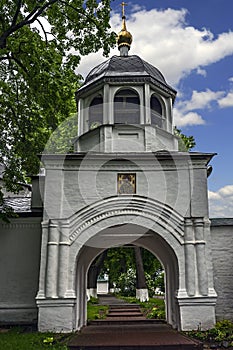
column 43, row 259
column 201, row 257
column 64, row 247
column 52, row 261
column 189, row 251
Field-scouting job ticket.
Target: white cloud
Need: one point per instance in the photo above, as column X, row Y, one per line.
column 221, row 202
column 169, row 43
column 201, row 72
column 226, row 191
column 185, row 110
column 184, row 119
column 231, row 79
column 201, row 99
column 213, row 195
column 226, row 101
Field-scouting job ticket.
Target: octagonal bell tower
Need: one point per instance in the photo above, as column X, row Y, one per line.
column 125, row 104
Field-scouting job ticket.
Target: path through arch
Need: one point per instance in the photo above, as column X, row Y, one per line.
column 147, row 239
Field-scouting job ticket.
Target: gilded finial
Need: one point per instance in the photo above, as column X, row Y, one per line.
column 124, row 38
column 123, row 4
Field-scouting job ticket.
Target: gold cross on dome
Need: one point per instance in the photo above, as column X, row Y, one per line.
column 123, row 4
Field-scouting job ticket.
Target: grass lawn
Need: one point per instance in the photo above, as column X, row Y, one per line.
column 18, row 338
column 95, row 311
column 23, row 338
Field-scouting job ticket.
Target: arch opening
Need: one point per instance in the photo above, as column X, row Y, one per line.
column 156, row 112
column 149, row 240
column 96, row 112
column 126, row 107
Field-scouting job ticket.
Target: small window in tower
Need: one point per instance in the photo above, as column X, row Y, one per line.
column 126, row 107
column 96, row 112
column 156, row 112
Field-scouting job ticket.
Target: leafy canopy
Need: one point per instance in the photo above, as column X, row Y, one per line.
column 40, row 47
column 185, row 143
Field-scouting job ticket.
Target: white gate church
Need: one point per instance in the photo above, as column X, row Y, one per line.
column 125, row 183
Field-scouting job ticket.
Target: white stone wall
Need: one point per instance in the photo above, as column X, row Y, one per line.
column 73, row 184
column 222, row 251
column 19, row 269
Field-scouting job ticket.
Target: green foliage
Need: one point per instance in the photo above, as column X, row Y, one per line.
column 185, row 143
column 118, row 261
column 154, row 308
column 121, row 268
column 18, row 339
column 40, row 47
column 223, row 331
column 154, row 282
column 93, row 300
column 96, row 312
column 157, row 313
column 127, row 282
column 62, row 139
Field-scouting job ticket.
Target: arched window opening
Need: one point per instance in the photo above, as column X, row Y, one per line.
column 156, row 112
column 126, row 107
column 96, row 112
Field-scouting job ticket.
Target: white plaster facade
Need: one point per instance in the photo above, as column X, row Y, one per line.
column 84, row 213
column 168, row 216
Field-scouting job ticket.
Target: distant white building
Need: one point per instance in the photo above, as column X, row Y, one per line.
column 102, row 285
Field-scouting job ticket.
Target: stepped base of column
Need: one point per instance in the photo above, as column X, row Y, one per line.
column 56, row 315
column 197, row 313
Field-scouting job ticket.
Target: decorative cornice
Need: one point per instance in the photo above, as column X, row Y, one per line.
column 194, row 157
column 135, row 205
column 129, row 79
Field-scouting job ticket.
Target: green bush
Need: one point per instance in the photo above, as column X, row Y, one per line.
column 223, row 331
column 93, row 300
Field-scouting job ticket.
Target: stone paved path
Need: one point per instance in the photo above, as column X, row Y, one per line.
column 125, row 328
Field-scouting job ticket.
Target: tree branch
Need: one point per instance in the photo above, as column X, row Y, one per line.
column 12, row 57
column 16, row 13
column 33, row 15
column 79, row 10
column 42, row 27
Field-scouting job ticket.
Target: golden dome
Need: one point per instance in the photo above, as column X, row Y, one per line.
column 124, row 37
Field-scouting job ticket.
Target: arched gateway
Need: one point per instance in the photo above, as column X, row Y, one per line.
column 127, row 182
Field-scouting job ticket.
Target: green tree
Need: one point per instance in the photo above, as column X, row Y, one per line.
column 120, row 264
column 41, row 43
column 118, row 261
column 185, row 143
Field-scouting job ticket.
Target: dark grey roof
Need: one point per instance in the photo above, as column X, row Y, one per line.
column 2, row 168
column 128, row 64
column 127, row 68
column 19, row 204
column 221, row 221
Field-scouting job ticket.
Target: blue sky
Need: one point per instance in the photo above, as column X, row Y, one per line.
column 191, row 42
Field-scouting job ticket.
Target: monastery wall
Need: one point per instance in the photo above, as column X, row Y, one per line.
column 222, row 252
column 19, row 268
column 20, row 242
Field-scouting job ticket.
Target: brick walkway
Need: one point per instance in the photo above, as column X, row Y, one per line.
column 125, row 328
